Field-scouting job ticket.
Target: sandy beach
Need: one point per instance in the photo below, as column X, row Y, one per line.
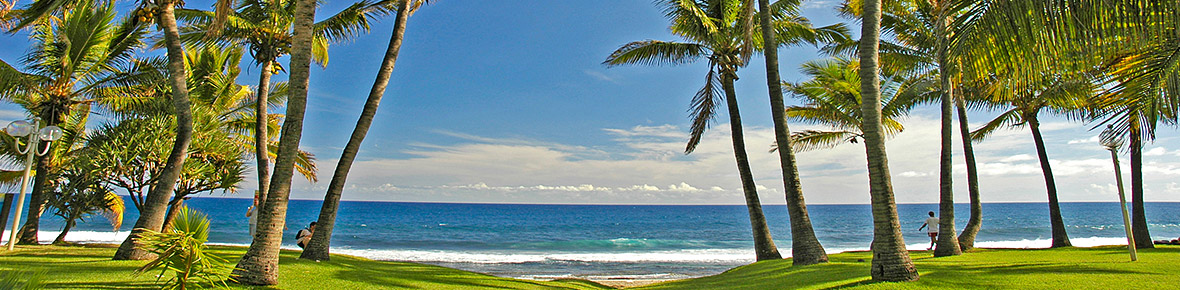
column 628, row 283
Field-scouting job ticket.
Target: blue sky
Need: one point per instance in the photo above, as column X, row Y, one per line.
column 507, row 101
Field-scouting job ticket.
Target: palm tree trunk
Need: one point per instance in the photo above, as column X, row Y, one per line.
column 805, row 247
column 967, row 237
column 764, row 248
column 61, row 238
column 947, row 244
column 260, row 264
column 37, row 199
column 891, row 261
column 319, row 246
column 1138, row 215
column 4, row 211
column 261, row 136
column 152, row 215
column 173, row 211
column 51, row 116
column 1060, row 239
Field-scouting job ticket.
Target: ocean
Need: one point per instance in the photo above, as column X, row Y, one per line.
column 615, row 241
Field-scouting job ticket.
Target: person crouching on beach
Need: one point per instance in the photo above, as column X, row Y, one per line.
column 931, row 226
column 304, row 235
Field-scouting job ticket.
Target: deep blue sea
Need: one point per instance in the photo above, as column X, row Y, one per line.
column 642, row 241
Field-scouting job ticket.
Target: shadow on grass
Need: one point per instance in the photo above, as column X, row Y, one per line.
column 104, row 285
column 418, row 276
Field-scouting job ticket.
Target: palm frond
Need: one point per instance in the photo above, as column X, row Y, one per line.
column 808, row 140
column 1010, row 118
column 704, row 109
column 655, row 52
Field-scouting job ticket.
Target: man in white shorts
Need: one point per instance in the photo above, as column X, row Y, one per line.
column 931, row 226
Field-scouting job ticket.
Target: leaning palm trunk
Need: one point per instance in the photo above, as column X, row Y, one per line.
column 28, row 231
column 967, row 237
column 764, row 248
column 1060, row 239
column 61, row 238
column 173, row 210
column 38, row 196
column 260, row 264
column 1138, row 215
column 261, row 136
column 152, row 215
column 319, row 246
column 947, row 244
column 805, row 247
column 891, row 261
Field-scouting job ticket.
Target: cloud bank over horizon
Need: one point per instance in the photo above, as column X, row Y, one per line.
column 644, row 164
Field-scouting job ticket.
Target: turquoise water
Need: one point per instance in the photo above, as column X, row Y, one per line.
column 545, row 241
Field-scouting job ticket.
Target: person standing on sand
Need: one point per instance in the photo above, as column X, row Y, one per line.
column 931, row 226
column 253, row 217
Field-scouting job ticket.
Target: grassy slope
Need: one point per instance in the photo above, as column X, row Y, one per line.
column 92, row 268
column 1072, row 268
column 1093, row 268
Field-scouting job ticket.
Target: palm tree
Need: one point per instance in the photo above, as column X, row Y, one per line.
column 1063, row 95
column 805, row 247
column 830, row 98
column 78, row 62
column 259, row 265
column 163, row 13
column 891, row 261
column 1145, row 85
column 717, row 30
column 318, row 248
column 265, row 27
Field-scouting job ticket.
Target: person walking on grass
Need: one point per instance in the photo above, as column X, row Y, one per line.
column 931, row 229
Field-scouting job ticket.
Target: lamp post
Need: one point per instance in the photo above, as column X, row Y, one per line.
column 21, row 128
column 1112, row 141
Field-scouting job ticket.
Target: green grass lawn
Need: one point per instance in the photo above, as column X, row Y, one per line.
column 1071, row 268
column 1091, row 268
column 91, row 267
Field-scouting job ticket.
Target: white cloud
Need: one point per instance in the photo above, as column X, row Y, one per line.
column 916, row 174
column 599, row 75
column 1017, row 158
column 1087, row 141
column 644, row 165
column 1158, row 151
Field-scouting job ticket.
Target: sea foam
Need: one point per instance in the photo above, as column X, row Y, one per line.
column 704, row 256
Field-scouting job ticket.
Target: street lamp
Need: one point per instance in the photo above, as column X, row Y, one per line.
column 1112, row 141
column 21, row 128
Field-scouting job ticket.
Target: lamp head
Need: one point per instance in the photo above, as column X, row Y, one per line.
column 19, row 128
column 51, row 133
column 1110, row 138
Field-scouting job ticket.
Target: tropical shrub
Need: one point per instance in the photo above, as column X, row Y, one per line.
column 180, row 249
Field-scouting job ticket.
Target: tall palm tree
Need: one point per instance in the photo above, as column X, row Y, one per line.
column 925, row 41
column 259, row 266
column 1133, row 42
column 265, row 27
column 75, row 63
column 831, row 98
column 161, row 12
column 318, row 247
column 1064, row 95
column 805, row 247
column 719, row 30
column 1144, row 88
column 891, row 261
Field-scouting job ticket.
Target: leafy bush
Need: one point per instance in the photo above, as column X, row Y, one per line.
column 181, row 250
